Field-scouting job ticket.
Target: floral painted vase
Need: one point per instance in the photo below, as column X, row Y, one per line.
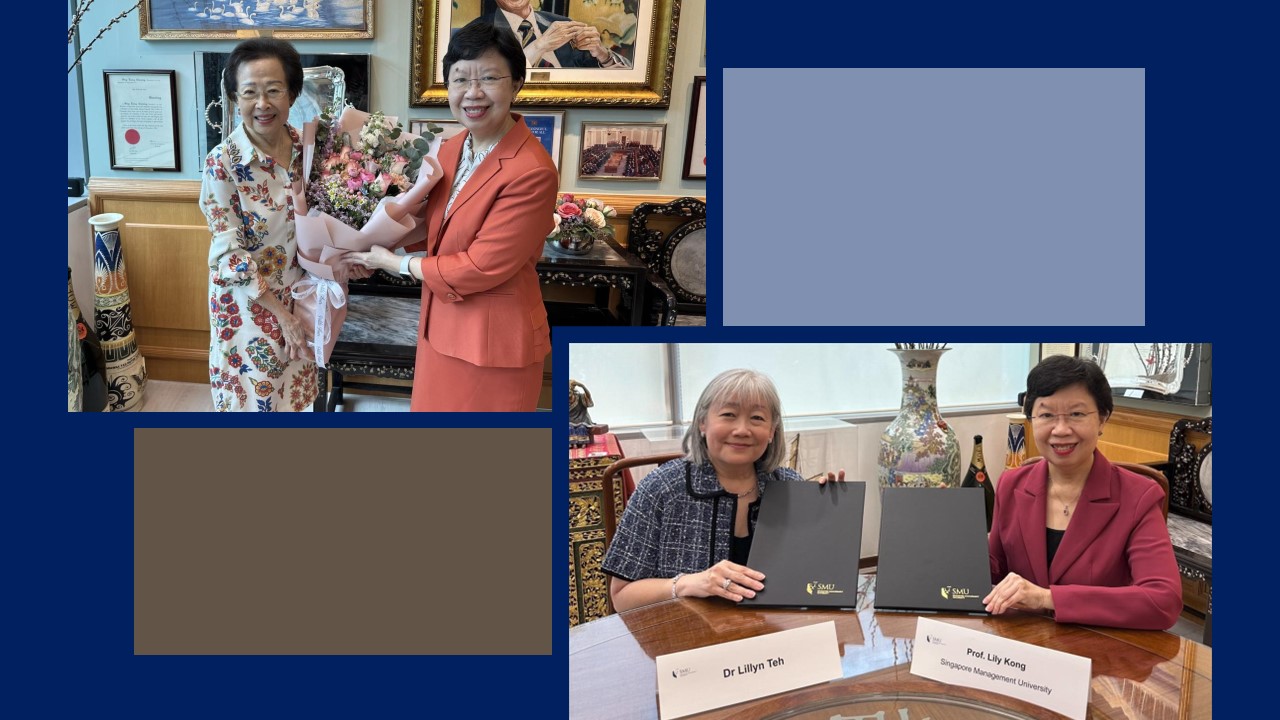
column 919, row 449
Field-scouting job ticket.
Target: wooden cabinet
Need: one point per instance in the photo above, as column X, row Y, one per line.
column 588, row 585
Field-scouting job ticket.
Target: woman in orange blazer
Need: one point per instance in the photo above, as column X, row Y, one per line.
column 1075, row 535
column 482, row 329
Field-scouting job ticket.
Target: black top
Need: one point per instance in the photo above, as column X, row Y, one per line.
column 1053, row 538
column 740, row 547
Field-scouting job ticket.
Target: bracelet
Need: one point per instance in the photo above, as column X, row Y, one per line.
column 404, row 266
column 675, row 580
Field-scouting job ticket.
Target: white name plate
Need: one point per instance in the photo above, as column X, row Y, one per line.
column 1051, row 679
column 718, row 675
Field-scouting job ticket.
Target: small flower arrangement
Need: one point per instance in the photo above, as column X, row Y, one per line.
column 350, row 176
column 580, row 223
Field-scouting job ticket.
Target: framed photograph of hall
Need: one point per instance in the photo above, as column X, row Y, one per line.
column 620, row 53
column 695, row 143
column 142, row 119
column 621, row 151
column 285, row 19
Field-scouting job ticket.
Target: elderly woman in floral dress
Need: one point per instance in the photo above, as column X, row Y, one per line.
column 258, row 355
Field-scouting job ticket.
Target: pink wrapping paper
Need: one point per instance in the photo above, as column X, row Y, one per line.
column 323, row 239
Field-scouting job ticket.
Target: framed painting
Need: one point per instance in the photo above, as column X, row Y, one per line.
column 621, row 151
column 581, row 53
column 326, row 76
column 695, row 143
column 142, row 119
column 239, row 19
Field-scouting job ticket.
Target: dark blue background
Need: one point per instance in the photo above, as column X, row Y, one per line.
column 1211, row 193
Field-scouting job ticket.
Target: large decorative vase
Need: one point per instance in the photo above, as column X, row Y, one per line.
column 919, row 449
column 91, row 364
column 126, row 368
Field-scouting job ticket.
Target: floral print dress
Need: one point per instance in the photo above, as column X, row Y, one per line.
column 245, row 195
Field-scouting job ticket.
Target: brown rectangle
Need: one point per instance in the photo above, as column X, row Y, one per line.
column 342, row 541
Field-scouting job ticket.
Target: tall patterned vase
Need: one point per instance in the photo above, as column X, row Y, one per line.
column 919, row 449
column 91, row 367
column 1017, row 441
column 126, row 368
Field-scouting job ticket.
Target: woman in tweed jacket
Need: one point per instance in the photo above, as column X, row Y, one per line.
column 687, row 530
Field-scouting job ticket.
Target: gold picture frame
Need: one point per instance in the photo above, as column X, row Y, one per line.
column 646, row 39
column 243, row 19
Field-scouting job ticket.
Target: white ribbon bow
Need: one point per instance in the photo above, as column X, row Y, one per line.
column 328, row 293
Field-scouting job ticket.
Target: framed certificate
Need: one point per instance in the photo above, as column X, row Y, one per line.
column 548, row 127
column 142, row 119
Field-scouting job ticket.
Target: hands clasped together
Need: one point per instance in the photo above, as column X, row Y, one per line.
column 581, row 35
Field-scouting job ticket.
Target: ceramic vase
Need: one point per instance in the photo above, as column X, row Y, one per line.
column 919, row 449
column 1017, row 451
column 126, row 368
column 91, row 364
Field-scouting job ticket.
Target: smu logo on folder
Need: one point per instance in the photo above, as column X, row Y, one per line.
column 951, row 592
column 821, row 588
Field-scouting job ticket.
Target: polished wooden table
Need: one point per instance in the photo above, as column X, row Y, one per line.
column 1136, row 674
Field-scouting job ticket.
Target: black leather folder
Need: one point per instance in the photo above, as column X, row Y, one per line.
column 933, row 550
column 807, row 543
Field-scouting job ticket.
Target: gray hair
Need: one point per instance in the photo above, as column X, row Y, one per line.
column 746, row 387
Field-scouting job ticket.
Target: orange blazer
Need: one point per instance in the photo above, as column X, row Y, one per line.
column 481, row 299
column 1115, row 566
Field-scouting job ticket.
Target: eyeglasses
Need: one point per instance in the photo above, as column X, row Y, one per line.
column 252, row 94
column 488, row 81
column 1072, row 418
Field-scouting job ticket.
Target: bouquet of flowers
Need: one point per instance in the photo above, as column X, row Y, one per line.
column 366, row 180
column 579, row 224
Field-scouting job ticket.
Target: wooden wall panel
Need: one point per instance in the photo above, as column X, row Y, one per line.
column 1131, row 435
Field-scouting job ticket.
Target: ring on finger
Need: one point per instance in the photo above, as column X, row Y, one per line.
column 727, row 583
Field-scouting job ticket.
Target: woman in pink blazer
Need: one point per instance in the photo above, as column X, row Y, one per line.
column 482, row 329
column 1075, row 535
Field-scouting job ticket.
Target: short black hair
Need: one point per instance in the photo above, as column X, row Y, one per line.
column 261, row 49
column 480, row 36
column 1058, row 371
